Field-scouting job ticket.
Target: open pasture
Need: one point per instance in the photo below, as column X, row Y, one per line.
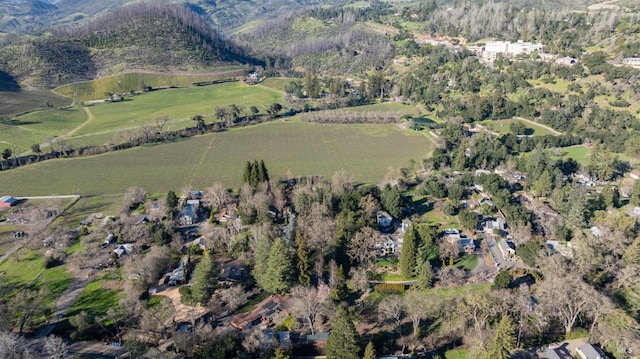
column 137, row 81
column 99, row 123
column 504, row 126
column 180, row 104
column 364, row 151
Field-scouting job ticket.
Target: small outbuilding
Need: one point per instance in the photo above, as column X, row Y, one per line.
column 7, row 201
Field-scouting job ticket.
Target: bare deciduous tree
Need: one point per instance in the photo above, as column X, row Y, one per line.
column 216, row 196
column 234, row 296
column 362, row 248
column 12, row 345
column 310, row 304
column 390, row 309
column 55, row 347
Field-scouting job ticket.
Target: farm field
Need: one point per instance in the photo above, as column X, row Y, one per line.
column 278, row 83
column 386, row 107
column 365, row 151
column 13, row 103
column 107, row 119
column 136, row 81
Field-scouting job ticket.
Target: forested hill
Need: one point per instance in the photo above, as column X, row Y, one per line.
column 142, row 36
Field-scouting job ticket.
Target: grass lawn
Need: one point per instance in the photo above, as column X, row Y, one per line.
column 95, row 300
column 279, row 83
column 135, row 81
column 16, row 102
column 364, row 151
column 26, row 267
column 582, row 155
column 436, row 216
column 456, row 354
column 467, row 262
column 502, row 126
column 6, row 242
column 36, row 127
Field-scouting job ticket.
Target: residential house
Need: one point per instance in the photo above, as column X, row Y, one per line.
column 189, row 215
column 384, row 219
column 262, row 313
column 492, row 224
column 123, row 249
column 506, row 249
column 227, row 213
column 452, row 235
column 557, row 247
column 466, row 245
column 386, row 246
column 588, row 351
column 405, row 225
column 7, row 201
column 233, row 271
column 178, row 275
column 143, row 218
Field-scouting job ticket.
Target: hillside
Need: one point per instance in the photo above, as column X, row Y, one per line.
column 141, row 36
column 29, row 15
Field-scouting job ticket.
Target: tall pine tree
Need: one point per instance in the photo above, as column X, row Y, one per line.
column 503, row 341
column 408, row 254
column 344, row 341
column 265, row 173
column 204, row 279
column 277, row 278
column 246, row 175
column 303, row 260
column 369, row 351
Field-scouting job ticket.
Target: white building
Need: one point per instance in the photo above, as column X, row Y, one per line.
column 631, row 61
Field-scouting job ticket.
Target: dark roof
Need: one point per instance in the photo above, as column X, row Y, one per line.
column 8, row 199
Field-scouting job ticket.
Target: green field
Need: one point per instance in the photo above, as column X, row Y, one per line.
column 365, row 151
column 13, row 103
column 95, row 300
column 278, row 83
column 387, row 107
column 582, row 155
column 502, row 126
column 108, row 119
column 135, row 81
column 37, row 127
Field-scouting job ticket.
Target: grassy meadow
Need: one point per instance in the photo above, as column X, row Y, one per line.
column 136, row 81
column 365, row 151
column 503, row 126
column 101, row 122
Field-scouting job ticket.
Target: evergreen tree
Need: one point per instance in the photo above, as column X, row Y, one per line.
column 172, row 200
column 261, row 260
column 204, row 278
column 392, row 200
column 254, row 176
column 635, row 194
column 277, row 277
column 303, row 260
column 264, row 173
column 369, row 351
column 503, row 341
column 246, row 175
column 408, row 254
column 344, row 341
column 425, row 279
column 610, row 196
column 502, row 280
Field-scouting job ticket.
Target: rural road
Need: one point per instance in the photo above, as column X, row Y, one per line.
column 64, row 302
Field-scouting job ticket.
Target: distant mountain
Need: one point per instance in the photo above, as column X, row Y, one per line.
column 226, row 15
column 140, row 36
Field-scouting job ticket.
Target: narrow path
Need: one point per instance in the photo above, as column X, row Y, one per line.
column 550, row 129
column 90, row 118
